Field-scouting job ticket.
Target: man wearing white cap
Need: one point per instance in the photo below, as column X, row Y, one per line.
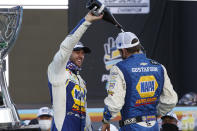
column 45, row 118
column 169, row 122
column 67, row 88
column 138, row 87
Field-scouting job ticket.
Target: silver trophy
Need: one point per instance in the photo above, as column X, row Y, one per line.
column 10, row 22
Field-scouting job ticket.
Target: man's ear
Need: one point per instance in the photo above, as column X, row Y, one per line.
column 125, row 52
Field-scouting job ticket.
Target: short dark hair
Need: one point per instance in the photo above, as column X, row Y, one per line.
column 134, row 49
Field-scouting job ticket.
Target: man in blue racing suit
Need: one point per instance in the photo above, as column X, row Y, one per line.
column 138, row 87
column 67, row 88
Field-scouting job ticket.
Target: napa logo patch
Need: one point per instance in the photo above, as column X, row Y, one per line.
column 111, row 56
column 146, row 86
column 79, row 97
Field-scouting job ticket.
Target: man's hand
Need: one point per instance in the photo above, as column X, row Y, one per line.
column 106, row 127
column 90, row 17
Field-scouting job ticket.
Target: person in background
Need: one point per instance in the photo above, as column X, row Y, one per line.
column 169, row 122
column 138, row 87
column 44, row 119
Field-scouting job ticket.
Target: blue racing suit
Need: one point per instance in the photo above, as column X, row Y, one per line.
column 139, row 87
column 67, row 88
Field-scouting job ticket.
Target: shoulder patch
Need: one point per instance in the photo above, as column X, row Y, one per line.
column 154, row 62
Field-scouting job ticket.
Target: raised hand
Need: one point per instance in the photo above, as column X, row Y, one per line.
column 90, row 17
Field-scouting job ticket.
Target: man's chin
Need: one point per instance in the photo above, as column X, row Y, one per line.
column 79, row 65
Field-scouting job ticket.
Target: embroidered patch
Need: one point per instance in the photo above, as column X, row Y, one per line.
column 147, row 86
column 111, row 85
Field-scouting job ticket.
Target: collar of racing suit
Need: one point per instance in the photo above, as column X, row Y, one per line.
column 71, row 66
column 138, row 55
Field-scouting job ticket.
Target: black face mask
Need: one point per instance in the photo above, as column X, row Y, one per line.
column 169, row 127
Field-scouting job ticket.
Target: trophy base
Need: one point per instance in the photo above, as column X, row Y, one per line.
column 7, row 120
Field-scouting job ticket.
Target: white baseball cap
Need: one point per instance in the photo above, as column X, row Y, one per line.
column 126, row 40
column 80, row 46
column 45, row 111
column 170, row 114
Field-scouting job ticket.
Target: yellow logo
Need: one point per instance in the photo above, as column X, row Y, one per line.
column 79, row 97
column 146, row 86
